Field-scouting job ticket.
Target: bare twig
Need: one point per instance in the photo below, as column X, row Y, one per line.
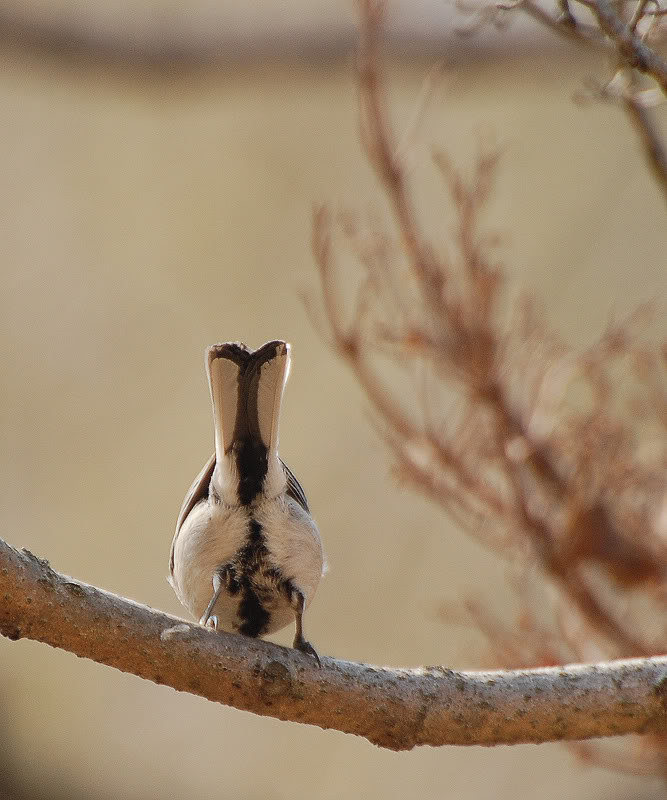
column 636, row 53
column 394, row 708
column 631, row 51
column 383, row 152
column 565, row 25
column 638, row 15
column 652, row 144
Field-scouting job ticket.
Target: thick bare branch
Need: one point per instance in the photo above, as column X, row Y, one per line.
column 393, row 708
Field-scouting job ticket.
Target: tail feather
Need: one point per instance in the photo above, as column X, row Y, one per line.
column 266, row 377
column 225, row 365
column 246, row 392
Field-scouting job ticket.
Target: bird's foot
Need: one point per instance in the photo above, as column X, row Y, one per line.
column 306, row 647
column 209, row 622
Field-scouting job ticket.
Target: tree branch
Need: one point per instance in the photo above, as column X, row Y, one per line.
column 652, row 144
column 623, row 39
column 636, row 52
column 393, row 708
column 565, row 25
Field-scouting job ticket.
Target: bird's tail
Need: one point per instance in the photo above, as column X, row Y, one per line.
column 246, row 392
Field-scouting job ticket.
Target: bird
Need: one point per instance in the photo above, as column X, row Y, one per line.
column 247, row 556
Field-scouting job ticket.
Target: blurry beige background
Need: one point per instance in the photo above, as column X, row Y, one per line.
column 146, row 212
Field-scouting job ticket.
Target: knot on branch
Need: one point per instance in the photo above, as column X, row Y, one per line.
column 277, row 680
column 10, row 630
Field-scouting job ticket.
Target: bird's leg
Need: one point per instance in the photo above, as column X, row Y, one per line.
column 207, row 620
column 299, row 603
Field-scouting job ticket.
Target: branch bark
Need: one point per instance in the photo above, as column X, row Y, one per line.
column 393, row 708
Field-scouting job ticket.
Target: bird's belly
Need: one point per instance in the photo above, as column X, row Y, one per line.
column 253, row 612
column 254, row 599
column 265, row 556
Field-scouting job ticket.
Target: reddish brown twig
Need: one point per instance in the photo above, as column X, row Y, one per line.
column 525, row 442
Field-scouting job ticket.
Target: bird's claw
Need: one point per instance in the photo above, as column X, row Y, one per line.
column 307, row 648
column 210, row 622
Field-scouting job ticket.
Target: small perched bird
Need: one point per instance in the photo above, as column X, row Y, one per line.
column 247, row 556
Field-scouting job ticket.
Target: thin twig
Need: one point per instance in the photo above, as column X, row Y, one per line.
column 638, row 14
column 636, row 53
column 378, row 138
column 577, row 33
column 652, row 144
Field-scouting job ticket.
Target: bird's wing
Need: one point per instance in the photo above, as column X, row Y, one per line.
column 294, row 489
column 198, row 491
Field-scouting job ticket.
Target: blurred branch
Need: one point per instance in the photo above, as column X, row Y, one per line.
column 552, row 456
column 393, row 708
column 564, row 24
column 175, row 43
column 64, row 38
column 649, row 136
column 451, row 327
column 629, row 40
column 636, row 52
